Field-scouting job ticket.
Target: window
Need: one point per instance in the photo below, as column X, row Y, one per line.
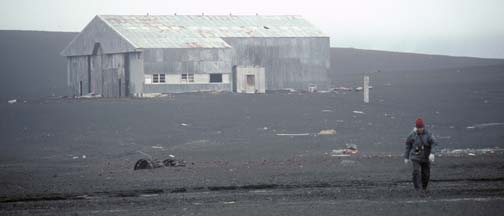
column 148, row 78
column 190, row 78
column 215, row 78
column 187, row 78
column 158, row 78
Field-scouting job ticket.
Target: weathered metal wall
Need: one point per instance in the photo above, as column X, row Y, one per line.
column 98, row 31
column 181, row 88
column 136, row 73
column 100, row 74
column 288, row 62
column 113, row 75
column 77, row 74
column 96, row 68
column 192, row 61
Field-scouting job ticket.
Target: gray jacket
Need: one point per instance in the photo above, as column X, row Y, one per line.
column 419, row 146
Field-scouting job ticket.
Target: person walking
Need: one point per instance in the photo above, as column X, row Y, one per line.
column 419, row 145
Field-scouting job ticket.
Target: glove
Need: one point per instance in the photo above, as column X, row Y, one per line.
column 431, row 158
column 406, row 161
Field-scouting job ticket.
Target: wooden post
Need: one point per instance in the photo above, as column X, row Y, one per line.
column 366, row 89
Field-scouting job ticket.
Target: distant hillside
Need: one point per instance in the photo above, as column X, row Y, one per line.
column 359, row 61
column 30, row 64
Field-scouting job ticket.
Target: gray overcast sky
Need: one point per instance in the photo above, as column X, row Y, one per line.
column 451, row 27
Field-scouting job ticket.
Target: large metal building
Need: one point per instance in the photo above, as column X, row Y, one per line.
column 133, row 55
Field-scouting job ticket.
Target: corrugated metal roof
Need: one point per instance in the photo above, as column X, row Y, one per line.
column 193, row 31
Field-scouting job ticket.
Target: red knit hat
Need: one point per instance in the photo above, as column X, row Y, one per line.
column 419, row 123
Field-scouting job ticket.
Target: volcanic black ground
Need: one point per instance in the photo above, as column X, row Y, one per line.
column 71, row 156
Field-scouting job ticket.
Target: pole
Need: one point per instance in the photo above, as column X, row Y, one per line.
column 366, row 89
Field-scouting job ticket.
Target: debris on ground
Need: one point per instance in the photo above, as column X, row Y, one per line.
column 312, row 88
column 339, row 153
column 341, row 88
column 349, row 150
column 155, row 163
column 298, row 134
column 358, row 112
column 484, row 125
column 470, row 152
column 327, row 111
column 90, row 95
column 360, row 88
column 327, row 132
column 286, row 90
column 153, row 95
column 77, row 157
column 12, row 101
column 173, row 163
column 184, row 124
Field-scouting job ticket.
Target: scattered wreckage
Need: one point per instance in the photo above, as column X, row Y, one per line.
column 350, row 149
column 469, row 152
column 145, row 163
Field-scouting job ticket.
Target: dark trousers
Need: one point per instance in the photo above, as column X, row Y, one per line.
column 421, row 174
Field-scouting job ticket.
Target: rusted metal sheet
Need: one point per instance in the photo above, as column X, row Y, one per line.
column 205, row 31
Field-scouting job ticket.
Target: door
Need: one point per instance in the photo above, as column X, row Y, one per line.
column 250, row 88
column 247, row 79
